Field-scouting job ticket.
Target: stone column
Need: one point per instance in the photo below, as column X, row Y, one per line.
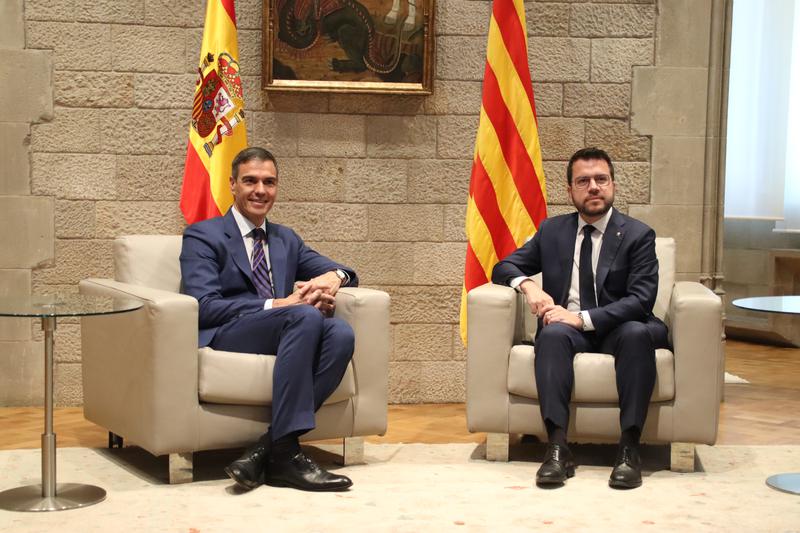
column 678, row 102
column 26, row 222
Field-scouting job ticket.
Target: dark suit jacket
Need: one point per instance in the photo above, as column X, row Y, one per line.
column 215, row 269
column 627, row 270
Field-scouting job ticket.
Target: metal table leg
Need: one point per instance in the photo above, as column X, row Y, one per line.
column 50, row 496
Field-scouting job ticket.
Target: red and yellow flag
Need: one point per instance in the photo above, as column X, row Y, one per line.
column 507, row 189
column 217, row 131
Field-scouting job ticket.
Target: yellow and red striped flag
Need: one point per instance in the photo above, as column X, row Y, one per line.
column 217, row 131
column 507, row 189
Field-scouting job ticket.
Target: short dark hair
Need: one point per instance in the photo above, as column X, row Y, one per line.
column 249, row 154
column 586, row 154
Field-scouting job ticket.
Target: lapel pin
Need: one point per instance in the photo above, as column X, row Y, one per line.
column 619, row 234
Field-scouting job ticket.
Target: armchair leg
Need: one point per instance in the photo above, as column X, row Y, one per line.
column 180, row 468
column 681, row 457
column 497, row 446
column 353, row 451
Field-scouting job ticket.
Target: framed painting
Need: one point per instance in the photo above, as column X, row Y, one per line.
column 359, row 46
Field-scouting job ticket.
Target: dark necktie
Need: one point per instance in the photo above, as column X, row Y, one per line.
column 260, row 268
column 585, row 275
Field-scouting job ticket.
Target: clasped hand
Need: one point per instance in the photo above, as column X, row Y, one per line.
column 542, row 305
column 319, row 292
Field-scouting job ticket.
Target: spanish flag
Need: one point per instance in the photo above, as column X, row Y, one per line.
column 217, row 131
column 507, row 188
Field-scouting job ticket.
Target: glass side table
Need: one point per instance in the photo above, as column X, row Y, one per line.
column 50, row 496
column 788, row 482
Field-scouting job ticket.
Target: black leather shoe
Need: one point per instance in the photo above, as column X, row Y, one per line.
column 248, row 470
column 558, row 465
column 302, row 473
column 627, row 473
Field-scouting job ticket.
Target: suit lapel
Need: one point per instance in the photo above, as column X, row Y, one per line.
column 612, row 239
column 566, row 254
column 235, row 246
column 277, row 260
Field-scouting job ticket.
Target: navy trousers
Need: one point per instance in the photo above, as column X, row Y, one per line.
column 633, row 345
column 312, row 353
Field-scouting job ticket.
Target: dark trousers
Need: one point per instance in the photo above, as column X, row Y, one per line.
column 633, row 346
column 312, row 353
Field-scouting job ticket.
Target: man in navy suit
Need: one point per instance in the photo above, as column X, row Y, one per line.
column 599, row 283
column 243, row 269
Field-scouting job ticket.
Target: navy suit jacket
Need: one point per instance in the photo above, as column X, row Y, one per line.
column 627, row 270
column 216, row 271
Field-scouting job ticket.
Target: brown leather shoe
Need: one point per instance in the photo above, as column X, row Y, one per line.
column 558, row 465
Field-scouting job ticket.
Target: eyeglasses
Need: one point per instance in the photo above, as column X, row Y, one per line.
column 582, row 182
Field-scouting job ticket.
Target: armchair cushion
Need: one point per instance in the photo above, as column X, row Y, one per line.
column 246, row 379
column 148, row 261
column 595, row 380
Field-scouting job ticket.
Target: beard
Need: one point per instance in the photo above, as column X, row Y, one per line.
column 590, row 208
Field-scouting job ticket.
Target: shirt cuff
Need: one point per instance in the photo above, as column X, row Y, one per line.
column 587, row 321
column 268, row 304
column 515, row 283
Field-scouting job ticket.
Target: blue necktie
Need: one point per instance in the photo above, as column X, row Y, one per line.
column 585, row 274
column 260, row 268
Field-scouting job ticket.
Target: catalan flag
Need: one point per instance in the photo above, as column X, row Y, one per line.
column 217, row 131
column 507, row 188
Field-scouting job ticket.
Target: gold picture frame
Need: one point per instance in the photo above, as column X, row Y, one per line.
column 348, row 46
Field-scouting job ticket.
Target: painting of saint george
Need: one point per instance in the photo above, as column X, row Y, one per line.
column 348, row 45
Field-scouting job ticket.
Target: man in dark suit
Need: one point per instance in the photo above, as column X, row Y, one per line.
column 599, row 284
column 242, row 269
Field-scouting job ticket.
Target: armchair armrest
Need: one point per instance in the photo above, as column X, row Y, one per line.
column 140, row 368
column 491, row 323
column 695, row 321
column 367, row 312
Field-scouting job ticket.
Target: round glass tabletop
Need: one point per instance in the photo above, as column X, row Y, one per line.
column 770, row 304
column 64, row 305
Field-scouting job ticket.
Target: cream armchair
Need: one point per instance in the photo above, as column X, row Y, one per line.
column 145, row 379
column 684, row 409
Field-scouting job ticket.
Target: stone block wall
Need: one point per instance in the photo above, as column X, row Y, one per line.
column 376, row 181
